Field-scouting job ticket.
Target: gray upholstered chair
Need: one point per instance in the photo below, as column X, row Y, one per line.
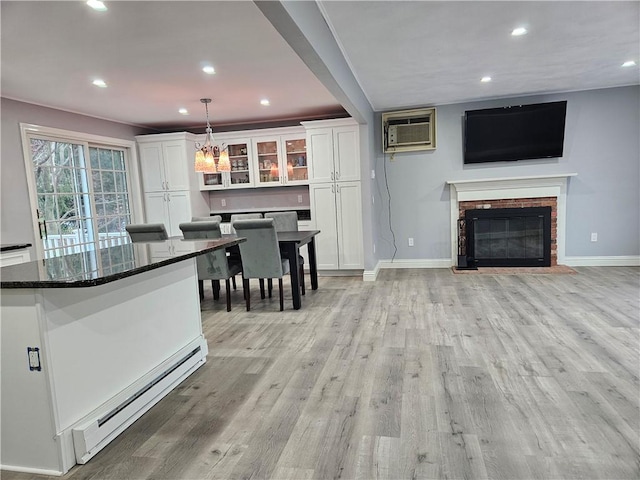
column 211, row 218
column 243, row 216
column 146, row 232
column 260, row 255
column 288, row 222
column 214, row 266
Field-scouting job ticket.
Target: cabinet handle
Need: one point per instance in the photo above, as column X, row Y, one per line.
column 332, row 176
column 333, row 189
column 337, row 188
column 337, row 175
column 167, row 185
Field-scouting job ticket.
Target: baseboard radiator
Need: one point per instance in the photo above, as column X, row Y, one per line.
column 93, row 435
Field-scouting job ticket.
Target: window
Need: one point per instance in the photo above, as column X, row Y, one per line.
column 81, row 193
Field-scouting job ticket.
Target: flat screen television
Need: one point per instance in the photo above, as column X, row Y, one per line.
column 514, row 133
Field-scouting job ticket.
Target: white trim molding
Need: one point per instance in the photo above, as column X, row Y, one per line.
column 372, row 275
column 611, row 261
column 535, row 186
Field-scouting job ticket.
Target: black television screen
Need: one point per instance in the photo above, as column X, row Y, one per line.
column 514, row 133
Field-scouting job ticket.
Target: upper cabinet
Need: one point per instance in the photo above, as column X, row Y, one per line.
column 164, row 165
column 241, row 174
column 272, row 157
column 334, row 151
column 281, row 160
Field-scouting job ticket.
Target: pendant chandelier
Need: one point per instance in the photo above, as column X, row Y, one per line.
column 207, row 153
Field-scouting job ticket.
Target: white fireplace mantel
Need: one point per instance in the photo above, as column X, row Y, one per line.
column 535, row 186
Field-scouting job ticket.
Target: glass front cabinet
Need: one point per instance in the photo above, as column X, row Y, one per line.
column 281, row 160
column 241, row 174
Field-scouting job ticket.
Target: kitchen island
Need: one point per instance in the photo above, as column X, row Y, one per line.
column 90, row 342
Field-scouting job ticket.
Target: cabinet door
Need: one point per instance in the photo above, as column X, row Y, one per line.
column 241, row 174
column 152, row 168
column 346, row 153
column 176, row 165
column 267, row 158
column 179, row 210
column 294, row 160
column 349, row 223
column 156, row 212
column 320, row 155
column 323, row 210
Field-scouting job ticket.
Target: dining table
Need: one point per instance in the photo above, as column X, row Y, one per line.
column 290, row 243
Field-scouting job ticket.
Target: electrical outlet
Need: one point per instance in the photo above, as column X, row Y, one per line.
column 223, row 202
column 373, row 174
column 594, row 237
column 410, row 242
column 299, row 198
column 373, row 200
column 374, row 248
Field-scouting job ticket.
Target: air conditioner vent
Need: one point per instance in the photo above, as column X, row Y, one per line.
column 409, row 130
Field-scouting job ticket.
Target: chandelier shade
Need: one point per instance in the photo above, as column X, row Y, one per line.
column 223, row 161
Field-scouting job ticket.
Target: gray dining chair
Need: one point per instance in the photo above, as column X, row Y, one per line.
column 146, row 232
column 214, row 266
column 288, row 222
column 260, row 255
column 211, row 218
column 243, row 216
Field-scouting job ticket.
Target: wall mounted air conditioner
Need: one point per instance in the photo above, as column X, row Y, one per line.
column 409, row 130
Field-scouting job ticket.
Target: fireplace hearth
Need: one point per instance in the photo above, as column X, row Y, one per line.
column 506, row 237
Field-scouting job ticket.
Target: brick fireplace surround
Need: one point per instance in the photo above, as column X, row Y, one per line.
column 513, row 192
column 521, row 203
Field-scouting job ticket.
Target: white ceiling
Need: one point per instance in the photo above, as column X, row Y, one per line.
column 404, row 54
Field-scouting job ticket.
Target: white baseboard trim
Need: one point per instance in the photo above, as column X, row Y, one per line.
column 619, row 261
column 36, row 471
column 371, row 275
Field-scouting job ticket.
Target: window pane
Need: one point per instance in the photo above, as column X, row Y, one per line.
column 106, row 162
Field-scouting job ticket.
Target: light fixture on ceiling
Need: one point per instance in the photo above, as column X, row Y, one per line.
column 629, row 63
column 209, row 69
column 97, row 5
column 516, row 32
column 98, row 82
column 205, row 154
column 183, row 111
column 486, row 79
column 265, row 102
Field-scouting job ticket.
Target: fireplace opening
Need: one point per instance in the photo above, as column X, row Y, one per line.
column 508, row 237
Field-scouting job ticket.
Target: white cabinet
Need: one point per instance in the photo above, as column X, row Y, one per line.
column 337, row 210
column 241, row 174
column 13, row 257
column 334, row 154
column 272, row 157
column 335, row 193
column 281, row 160
column 171, row 191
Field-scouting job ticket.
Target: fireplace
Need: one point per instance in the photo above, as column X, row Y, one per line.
column 508, row 237
column 505, row 193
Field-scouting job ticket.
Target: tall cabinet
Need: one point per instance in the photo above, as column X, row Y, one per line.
column 170, row 184
column 333, row 148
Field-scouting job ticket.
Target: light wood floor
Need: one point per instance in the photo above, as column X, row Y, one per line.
column 421, row 374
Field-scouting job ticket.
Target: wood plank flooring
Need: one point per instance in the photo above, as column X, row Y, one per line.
column 422, row 374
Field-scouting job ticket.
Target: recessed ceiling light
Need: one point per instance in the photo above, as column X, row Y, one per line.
column 485, row 79
column 209, row 69
column 97, row 5
column 516, row 32
column 183, row 111
column 98, row 82
column 265, row 102
column 629, row 63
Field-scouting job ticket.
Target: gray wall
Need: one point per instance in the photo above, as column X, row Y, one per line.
column 15, row 208
column 601, row 146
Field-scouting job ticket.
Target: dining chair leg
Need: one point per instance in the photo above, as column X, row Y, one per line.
column 233, row 279
column 301, row 276
column 227, row 284
column 245, row 287
column 201, row 289
column 281, row 294
column 215, row 286
column 269, row 286
column 261, row 288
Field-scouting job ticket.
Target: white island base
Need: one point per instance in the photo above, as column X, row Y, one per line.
column 107, row 354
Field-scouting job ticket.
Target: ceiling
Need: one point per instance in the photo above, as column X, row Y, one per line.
column 403, row 54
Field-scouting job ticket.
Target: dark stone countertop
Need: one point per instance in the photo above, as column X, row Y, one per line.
column 97, row 267
column 5, row 247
